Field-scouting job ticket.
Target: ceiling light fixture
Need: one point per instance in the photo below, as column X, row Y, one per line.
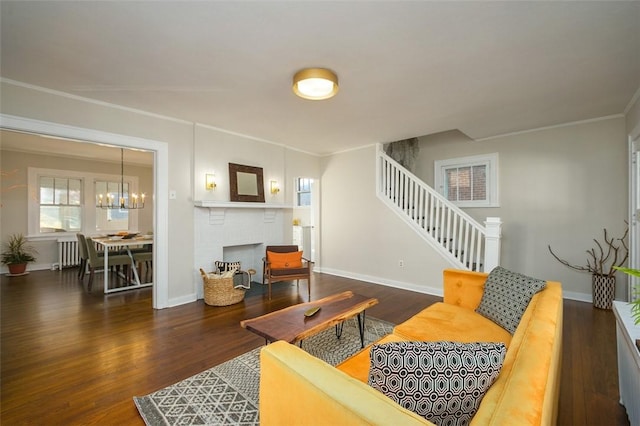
column 315, row 84
column 122, row 202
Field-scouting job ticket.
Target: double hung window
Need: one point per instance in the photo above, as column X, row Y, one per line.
column 303, row 191
column 60, row 204
column 67, row 201
column 469, row 181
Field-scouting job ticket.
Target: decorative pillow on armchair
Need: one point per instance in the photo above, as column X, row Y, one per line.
column 506, row 296
column 444, row 382
column 285, row 260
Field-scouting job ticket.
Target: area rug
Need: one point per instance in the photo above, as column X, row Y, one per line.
column 227, row 394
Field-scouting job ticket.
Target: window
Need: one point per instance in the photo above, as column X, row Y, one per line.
column 65, row 201
column 303, row 192
column 60, row 204
column 469, row 181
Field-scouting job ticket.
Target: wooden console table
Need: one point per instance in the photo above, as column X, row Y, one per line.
column 628, row 361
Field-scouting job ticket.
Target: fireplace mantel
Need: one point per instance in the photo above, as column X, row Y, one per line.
column 238, row 205
column 236, row 231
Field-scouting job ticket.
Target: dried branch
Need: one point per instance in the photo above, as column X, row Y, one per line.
column 587, row 268
column 604, row 258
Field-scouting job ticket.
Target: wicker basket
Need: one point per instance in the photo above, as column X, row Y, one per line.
column 220, row 291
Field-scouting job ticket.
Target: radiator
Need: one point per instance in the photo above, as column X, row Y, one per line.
column 68, row 253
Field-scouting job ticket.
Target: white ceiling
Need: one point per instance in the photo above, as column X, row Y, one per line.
column 406, row 69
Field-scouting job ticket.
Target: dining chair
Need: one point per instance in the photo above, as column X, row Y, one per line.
column 285, row 263
column 84, row 255
column 145, row 257
column 96, row 261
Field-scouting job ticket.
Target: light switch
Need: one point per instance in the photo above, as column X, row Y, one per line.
column 172, row 194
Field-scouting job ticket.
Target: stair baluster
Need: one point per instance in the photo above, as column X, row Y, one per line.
column 452, row 232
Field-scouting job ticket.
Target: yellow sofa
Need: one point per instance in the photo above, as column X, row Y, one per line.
column 299, row 389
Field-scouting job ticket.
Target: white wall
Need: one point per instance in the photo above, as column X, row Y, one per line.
column 215, row 149
column 225, row 226
column 362, row 238
column 633, row 116
column 559, row 186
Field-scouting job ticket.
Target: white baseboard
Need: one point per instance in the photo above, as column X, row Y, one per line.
column 580, row 297
column 569, row 295
column 383, row 281
column 182, row 300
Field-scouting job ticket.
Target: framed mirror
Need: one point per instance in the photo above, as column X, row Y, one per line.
column 246, row 183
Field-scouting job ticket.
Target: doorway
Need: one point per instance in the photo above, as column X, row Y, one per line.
column 305, row 216
column 160, row 191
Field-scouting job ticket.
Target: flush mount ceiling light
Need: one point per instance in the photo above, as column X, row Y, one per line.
column 315, row 84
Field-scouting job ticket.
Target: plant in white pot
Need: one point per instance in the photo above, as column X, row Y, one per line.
column 17, row 254
column 602, row 262
column 635, row 303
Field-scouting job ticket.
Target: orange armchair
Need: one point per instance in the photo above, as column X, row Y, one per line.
column 285, row 263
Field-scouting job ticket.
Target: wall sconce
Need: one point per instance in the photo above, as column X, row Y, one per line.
column 275, row 188
column 210, row 182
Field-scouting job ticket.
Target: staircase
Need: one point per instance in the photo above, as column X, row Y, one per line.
column 460, row 239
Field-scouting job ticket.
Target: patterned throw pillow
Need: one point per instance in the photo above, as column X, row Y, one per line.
column 506, row 296
column 443, row 382
column 226, row 266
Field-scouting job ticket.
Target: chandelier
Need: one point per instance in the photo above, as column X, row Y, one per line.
column 111, row 202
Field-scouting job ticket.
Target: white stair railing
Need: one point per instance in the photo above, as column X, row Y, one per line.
column 456, row 235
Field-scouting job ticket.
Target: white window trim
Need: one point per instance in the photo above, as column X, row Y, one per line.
column 87, row 203
column 489, row 160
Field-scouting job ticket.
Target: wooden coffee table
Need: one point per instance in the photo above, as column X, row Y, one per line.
column 291, row 325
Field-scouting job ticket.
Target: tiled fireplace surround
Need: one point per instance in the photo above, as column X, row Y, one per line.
column 235, row 234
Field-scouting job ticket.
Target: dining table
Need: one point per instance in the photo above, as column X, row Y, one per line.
column 116, row 242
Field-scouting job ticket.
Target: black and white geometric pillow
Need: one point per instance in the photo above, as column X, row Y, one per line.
column 443, row 382
column 226, row 266
column 506, row 296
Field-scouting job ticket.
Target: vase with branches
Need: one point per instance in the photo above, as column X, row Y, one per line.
column 603, row 261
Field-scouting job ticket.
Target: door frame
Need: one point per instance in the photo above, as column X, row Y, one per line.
column 160, row 152
column 634, row 209
column 314, row 215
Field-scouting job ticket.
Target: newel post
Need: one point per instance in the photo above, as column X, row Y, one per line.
column 493, row 226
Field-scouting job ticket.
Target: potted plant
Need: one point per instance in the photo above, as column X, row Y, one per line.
column 635, row 304
column 17, row 253
column 602, row 262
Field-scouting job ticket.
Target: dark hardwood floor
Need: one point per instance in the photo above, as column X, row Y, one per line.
column 69, row 357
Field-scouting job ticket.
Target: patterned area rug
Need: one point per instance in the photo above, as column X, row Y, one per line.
column 228, row 393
